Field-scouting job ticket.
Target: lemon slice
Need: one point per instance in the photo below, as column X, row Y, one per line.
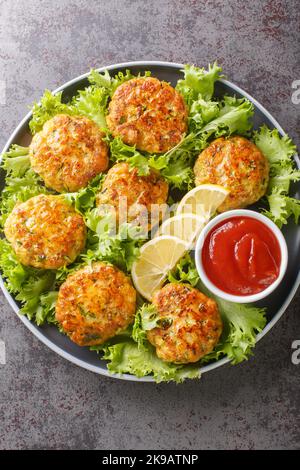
column 157, row 258
column 184, row 226
column 203, row 200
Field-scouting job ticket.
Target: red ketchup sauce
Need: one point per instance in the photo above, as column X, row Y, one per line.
column 241, row 256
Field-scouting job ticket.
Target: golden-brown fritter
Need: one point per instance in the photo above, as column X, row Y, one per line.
column 68, row 152
column 95, row 303
column 238, row 165
column 190, row 324
column 45, row 232
column 148, row 113
column 123, row 186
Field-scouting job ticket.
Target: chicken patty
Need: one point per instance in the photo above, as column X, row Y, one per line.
column 95, row 303
column 68, row 152
column 237, row 164
column 148, row 113
column 190, row 324
column 45, row 232
column 124, row 187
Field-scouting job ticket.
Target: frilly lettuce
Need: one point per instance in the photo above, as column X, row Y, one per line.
column 84, row 199
column 175, row 165
column 279, row 151
column 119, row 247
column 145, row 320
column 127, row 358
column 185, row 271
column 131, row 353
column 16, row 161
column 92, row 103
column 234, row 116
column 111, row 83
column 241, row 324
column 198, row 82
column 27, row 284
column 49, row 105
column 121, row 152
column 21, row 183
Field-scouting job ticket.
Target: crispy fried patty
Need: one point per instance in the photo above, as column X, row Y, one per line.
column 148, row 113
column 237, row 164
column 68, row 152
column 190, row 324
column 45, row 232
column 95, row 303
column 123, row 185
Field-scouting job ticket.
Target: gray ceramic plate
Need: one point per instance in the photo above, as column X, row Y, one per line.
column 276, row 303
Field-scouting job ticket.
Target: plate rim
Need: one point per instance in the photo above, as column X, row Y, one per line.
column 98, row 369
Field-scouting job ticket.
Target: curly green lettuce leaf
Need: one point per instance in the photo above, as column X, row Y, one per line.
column 185, row 271
column 29, row 285
column 145, row 319
column 84, row 199
column 49, row 105
column 175, row 165
column 198, row 82
column 45, row 312
column 91, row 103
column 110, row 83
column 241, row 323
column 16, row 160
column 282, row 207
column 201, row 113
column 126, row 358
column 106, row 243
column 18, row 189
column 230, row 116
column 281, row 177
column 178, row 167
column 121, row 152
column 235, row 117
column 279, row 151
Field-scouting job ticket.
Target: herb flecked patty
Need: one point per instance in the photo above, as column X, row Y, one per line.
column 124, row 190
column 95, row 303
column 190, row 324
column 238, row 165
column 148, row 113
column 45, row 232
column 68, row 152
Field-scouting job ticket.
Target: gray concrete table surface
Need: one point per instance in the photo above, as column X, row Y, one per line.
column 46, row 402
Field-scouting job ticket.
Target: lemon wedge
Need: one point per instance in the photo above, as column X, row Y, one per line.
column 187, row 227
column 157, row 258
column 203, row 200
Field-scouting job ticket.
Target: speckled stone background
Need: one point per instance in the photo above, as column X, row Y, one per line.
column 46, row 402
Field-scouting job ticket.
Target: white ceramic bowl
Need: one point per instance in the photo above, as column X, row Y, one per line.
column 228, row 215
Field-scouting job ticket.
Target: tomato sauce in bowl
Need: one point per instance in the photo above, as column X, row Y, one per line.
column 241, row 256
